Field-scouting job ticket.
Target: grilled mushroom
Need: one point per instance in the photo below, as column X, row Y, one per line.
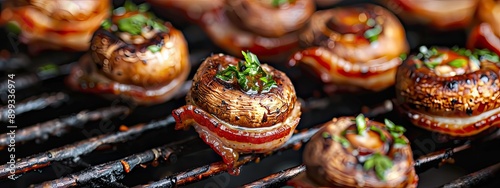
column 135, row 56
column 487, row 33
column 66, row 25
column 267, row 28
column 240, row 106
column 440, row 15
column 356, row 152
column 450, row 91
column 353, row 47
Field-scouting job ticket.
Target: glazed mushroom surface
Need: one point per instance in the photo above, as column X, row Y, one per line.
column 262, row 27
column 451, row 91
column 55, row 25
column 240, row 106
column 354, row 47
column 357, row 152
column 135, row 56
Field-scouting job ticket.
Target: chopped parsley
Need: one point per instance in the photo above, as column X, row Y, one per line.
column 380, row 163
column 249, row 75
column 477, row 55
column 135, row 23
column 361, row 124
column 277, row 3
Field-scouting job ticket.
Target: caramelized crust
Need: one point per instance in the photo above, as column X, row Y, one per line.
column 337, row 50
column 330, row 164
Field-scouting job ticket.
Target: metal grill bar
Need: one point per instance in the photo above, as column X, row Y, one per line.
column 60, row 126
column 80, row 148
column 35, row 103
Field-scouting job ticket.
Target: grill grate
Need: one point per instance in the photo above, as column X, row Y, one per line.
column 97, row 142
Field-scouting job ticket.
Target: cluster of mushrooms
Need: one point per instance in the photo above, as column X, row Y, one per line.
column 239, row 105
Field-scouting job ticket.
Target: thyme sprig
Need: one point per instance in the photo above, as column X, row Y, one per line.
column 249, row 75
column 380, row 163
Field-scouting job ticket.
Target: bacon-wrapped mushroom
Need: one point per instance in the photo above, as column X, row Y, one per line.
column 356, row 152
column 240, row 106
column 135, row 56
column 268, row 28
column 487, row 33
column 353, row 48
column 439, row 14
column 450, row 91
column 66, row 25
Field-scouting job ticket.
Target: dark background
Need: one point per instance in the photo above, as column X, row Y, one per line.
column 200, row 46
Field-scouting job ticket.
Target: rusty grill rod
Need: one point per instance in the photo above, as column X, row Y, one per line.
column 213, row 169
column 115, row 170
column 475, row 178
column 73, row 151
column 60, row 126
column 35, row 103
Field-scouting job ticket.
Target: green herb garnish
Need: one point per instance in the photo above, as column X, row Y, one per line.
column 135, row 23
column 478, row 54
column 277, row 3
column 13, row 27
column 432, row 64
column 380, row 163
column 379, row 131
column 403, row 56
column 457, row 63
column 154, row 48
column 106, row 24
column 396, row 131
column 373, row 33
column 343, row 141
column 361, row 124
column 249, row 74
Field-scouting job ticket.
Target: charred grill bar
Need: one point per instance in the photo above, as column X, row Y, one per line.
column 112, row 157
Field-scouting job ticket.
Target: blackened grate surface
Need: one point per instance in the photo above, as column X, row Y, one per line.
column 200, row 46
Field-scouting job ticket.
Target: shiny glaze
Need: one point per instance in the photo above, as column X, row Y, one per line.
column 234, row 35
column 57, row 25
column 424, row 96
column 329, row 164
column 336, row 49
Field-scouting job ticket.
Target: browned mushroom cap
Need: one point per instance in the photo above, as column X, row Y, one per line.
column 448, row 90
column 56, row 24
column 488, row 12
column 330, row 163
column 235, row 106
column 268, row 20
column 137, row 63
column 344, row 31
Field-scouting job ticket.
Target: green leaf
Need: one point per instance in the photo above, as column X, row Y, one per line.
column 369, row 164
column 326, row 135
column 380, row 163
column 379, row 131
column 458, row 63
column 106, row 24
column 398, row 140
column 361, row 124
column 389, row 123
column 432, row 64
column 130, row 6
column 373, row 33
column 403, row 56
column 144, row 7
column 154, row 48
column 277, row 3
column 13, row 27
column 343, row 141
